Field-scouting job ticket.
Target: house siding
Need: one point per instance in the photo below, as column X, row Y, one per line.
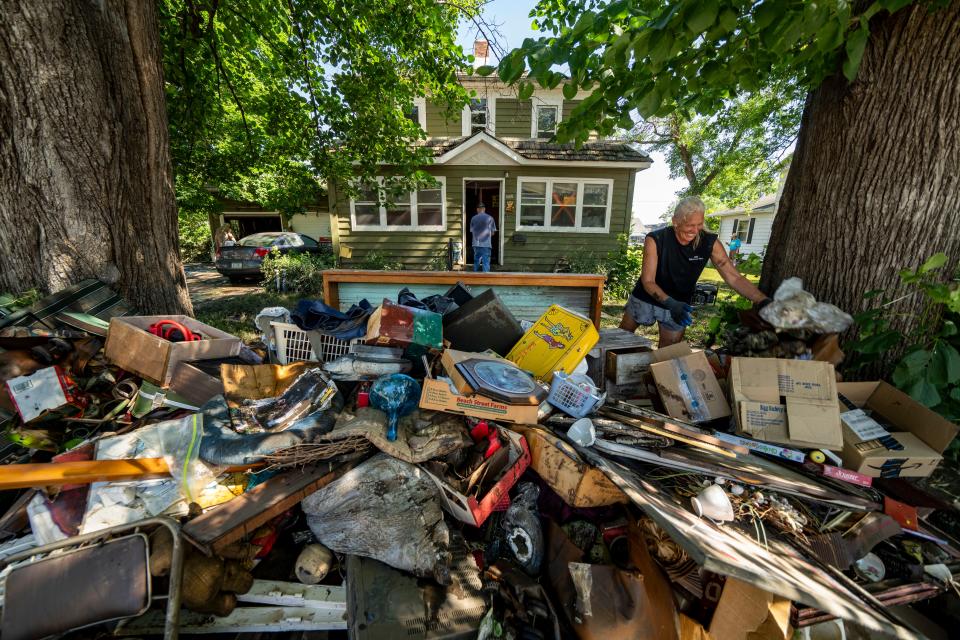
column 569, row 106
column 514, row 118
column 416, row 250
column 438, row 126
column 761, row 231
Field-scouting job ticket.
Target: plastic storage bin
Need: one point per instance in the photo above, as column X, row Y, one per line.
column 557, row 341
column 573, row 394
column 293, row 345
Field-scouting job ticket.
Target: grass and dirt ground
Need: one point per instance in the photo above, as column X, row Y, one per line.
column 232, row 307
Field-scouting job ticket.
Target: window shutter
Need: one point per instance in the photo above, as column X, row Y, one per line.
column 736, row 223
column 753, row 221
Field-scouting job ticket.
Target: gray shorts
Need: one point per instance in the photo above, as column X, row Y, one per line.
column 646, row 314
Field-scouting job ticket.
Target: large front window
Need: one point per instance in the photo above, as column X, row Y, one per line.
column 547, row 118
column 374, row 209
column 564, row 204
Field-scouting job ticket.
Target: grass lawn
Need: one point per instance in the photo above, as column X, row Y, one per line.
column 697, row 332
column 235, row 314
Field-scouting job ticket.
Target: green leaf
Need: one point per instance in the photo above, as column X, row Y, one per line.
column 933, row 262
column 895, row 5
column 916, row 360
column 703, row 16
column 570, row 91
column 485, row 70
column 955, row 394
column 649, row 103
column 660, row 48
column 949, row 329
column 728, row 19
column 951, row 359
column 855, row 46
column 765, row 14
column 526, row 90
column 827, row 36
column 924, row 393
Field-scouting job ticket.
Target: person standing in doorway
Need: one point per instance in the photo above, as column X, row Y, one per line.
column 482, row 228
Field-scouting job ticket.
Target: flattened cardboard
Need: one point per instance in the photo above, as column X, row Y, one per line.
column 745, row 612
column 786, row 401
column 257, row 381
column 687, row 385
column 924, row 434
column 438, row 396
column 577, row 483
column 131, row 347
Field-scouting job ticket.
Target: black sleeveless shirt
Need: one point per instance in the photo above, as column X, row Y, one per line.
column 678, row 266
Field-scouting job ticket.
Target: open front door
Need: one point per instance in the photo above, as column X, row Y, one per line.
column 490, row 193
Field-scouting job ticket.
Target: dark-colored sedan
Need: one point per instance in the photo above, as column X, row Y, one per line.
column 243, row 259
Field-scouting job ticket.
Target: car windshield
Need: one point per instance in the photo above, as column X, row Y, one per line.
column 262, row 239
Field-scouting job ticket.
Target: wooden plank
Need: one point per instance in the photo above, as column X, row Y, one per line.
column 467, row 277
column 57, row 474
column 219, row 527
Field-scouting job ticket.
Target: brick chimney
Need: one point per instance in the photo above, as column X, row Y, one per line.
column 481, row 51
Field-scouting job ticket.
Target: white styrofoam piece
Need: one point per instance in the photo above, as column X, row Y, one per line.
column 295, row 594
column 242, row 620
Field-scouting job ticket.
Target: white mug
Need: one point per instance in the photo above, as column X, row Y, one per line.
column 713, row 503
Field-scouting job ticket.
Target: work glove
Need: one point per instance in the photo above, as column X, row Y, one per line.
column 760, row 305
column 679, row 311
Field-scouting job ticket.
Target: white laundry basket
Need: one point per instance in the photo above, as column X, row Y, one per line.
column 293, row 345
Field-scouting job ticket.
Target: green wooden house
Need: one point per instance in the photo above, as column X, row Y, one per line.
column 550, row 200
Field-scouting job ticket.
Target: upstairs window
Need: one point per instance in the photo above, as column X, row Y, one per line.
column 547, row 118
column 414, row 114
column 421, row 210
column 564, row 204
column 478, row 115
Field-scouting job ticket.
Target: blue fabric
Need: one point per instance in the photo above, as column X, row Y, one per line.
column 735, row 244
column 313, row 315
column 482, row 228
column 481, row 259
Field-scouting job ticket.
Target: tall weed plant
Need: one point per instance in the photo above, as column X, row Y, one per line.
column 299, row 273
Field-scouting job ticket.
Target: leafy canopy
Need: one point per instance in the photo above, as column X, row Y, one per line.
column 735, row 155
column 656, row 57
column 269, row 100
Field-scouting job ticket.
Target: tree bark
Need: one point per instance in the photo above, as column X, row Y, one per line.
column 86, row 183
column 874, row 185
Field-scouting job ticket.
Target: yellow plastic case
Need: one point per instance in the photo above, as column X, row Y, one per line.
column 558, row 341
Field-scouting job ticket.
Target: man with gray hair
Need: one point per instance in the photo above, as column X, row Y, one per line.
column 673, row 259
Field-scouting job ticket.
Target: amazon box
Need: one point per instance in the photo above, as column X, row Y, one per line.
column 687, row 385
column 886, row 419
column 439, row 395
column 792, row 402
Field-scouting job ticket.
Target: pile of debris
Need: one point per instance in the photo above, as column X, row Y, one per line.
column 436, row 468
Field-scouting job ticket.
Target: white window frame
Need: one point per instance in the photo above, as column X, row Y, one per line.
column 548, row 208
column 421, row 105
column 545, row 100
column 414, row 212
column 536, row 116
column 741, row 226
column 466, row 119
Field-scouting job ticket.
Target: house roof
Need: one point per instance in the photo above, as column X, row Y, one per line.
column 539, row 152
column 764, row 204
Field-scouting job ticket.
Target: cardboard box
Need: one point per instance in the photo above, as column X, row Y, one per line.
column 438, row 396
column 131, row 347
column 576, row 482
column 473, row 511
column 924, row 434
column 394, row 325
column 687, row 385
column 194, row 384
column 628, row 366
column 792, row 402
column 745, row 612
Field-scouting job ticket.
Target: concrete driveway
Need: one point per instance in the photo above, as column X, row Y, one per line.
column 205, row 284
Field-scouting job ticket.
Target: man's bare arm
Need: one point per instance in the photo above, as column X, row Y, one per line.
column 733, row 277
column 648, row 274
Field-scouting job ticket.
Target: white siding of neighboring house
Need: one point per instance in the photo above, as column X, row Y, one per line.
column 761, row 231
column 313, row 224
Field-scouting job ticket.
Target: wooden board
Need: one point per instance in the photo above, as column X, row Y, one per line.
column 57, row 474
column 229, row 522
column 593, row 283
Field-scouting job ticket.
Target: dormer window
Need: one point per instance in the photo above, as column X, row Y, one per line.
column 547, row 117
column 478, row 115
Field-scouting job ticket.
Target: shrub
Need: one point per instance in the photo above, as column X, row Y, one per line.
column 623, row 267
column 751, row 264
column 377, row 261
column 195, row 240
column 300, row 273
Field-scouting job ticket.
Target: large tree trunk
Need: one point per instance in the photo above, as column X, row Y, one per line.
column 874, row 186
column 86, row 184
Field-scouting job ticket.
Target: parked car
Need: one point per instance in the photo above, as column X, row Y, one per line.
column 243, row 259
